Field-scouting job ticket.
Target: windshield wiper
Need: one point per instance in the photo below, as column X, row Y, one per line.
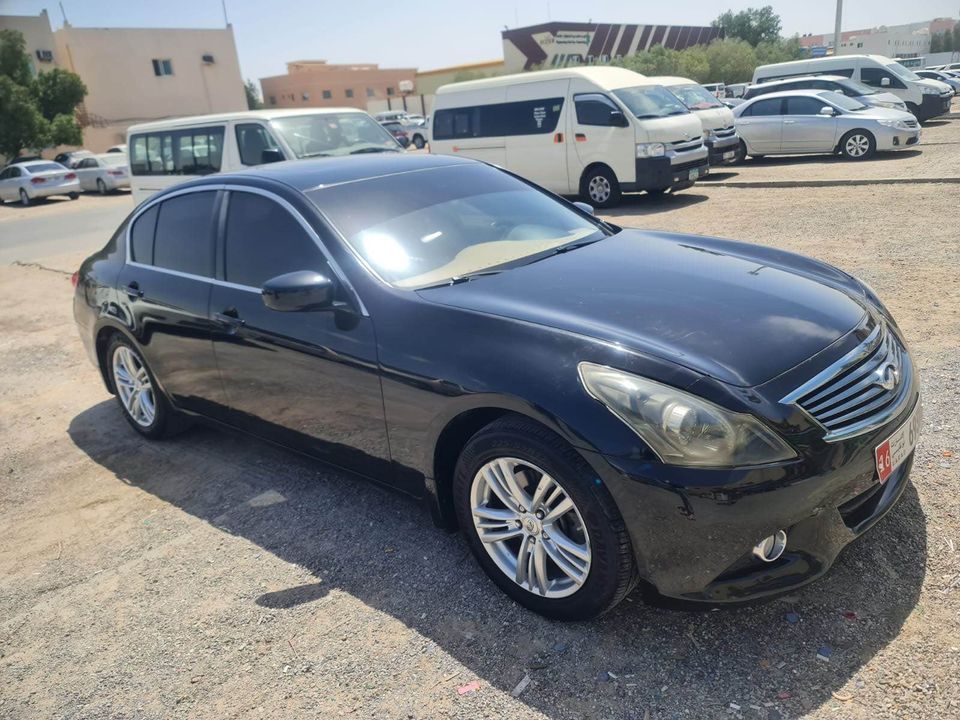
column 314, row 154
column 361, row 151
column 457, row 279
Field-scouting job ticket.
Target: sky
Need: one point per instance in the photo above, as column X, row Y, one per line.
column 428, row 34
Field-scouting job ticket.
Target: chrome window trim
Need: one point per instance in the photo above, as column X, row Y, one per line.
column 228, row 187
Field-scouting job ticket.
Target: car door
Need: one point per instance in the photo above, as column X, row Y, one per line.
column 761, row 125
column 164, row 292
column 305, row 379
column 86, row 171
column 598, row 138
column 6, row 184
column 536, row 143
column 804, row 129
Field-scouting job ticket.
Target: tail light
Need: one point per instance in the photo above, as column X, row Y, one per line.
column 71, row 176
column 75, row 278
column 37, row 180
column 117, row 173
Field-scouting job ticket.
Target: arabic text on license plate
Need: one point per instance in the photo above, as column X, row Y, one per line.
column 895, row 449
column 695, row 173
column 729, row 155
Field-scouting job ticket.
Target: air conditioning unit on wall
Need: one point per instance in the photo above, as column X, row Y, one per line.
column 45, row 55
column 208, row 59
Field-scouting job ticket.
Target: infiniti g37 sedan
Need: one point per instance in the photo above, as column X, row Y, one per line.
column 593, row 407
column 821, row 121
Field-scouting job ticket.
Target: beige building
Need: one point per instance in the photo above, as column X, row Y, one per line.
column 135, row 75
column 429, row 80
column 317, row 83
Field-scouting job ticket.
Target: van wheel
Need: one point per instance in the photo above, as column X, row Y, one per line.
column 418, row 142
column 600, row 187
column 857, row 145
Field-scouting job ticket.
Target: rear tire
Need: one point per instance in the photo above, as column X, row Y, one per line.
column 24, row 198
column 101, row 187
column 588, row 538
column 600, row 187
column 858, row 145
column 73, row 196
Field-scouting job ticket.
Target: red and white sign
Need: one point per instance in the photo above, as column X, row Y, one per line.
column 895, row 449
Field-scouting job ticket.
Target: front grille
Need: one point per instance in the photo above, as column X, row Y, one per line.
column 686, row 145
column 725, row 132
column 911, row 123
column 862, row 390
column 689, row 165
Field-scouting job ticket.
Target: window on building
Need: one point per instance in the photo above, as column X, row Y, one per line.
column 306, row 96
column 327, row 94
column 349, row 92
column 162, row 67
column 370, row 92
column 390, row 91
column 273, row 99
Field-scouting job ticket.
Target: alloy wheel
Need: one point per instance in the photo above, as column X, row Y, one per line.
column 599, row 189
column 101, row 187
column 857, row 145
column 24, row 198
column 530, row 527
column 133, row 386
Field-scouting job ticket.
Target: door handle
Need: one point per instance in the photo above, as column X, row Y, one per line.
column 133, row 290
column 789, row 122
column 580, row 137
column 229, row 318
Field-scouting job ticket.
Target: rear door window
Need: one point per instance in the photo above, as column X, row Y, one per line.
column 766, row 107
column 184, row 235
column 804, row 106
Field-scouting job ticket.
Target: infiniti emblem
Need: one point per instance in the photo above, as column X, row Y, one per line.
column 887, row 376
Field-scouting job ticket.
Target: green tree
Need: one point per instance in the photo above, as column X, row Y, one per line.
column 14, row 61
column 955, row 45
column 58, row 92
column 936, row 43
column 731, row 61
column 64, row 130
column 253, row 95
column 754, row 25
column 21, row 124
column 658, row 60
column 694, row 64
column 778, row 51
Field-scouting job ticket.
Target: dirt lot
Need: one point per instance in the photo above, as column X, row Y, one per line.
column 218, row 577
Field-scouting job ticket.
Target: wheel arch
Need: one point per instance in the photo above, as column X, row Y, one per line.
column 848, row 133
column 581, row 186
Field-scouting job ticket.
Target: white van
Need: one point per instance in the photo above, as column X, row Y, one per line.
column 168, row 152
column 592, row 131
column 719, row 134
column 924, row 98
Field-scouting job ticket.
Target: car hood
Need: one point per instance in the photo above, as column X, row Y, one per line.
column 880, row 97
column 715, row 118
column 739, row 313
column 671, row 129
column 874, row 112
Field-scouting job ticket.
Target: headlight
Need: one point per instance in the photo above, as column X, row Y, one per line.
column 898, row 124
column 925, row 90
column 645, row 150
column 681, row 428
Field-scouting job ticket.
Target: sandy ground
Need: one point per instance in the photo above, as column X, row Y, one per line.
column 214, row 576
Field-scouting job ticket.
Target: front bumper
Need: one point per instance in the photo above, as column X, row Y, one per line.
column 693, row 529
column 720, row 150
column 673, row 171
column 896, row 139
column 932, row 106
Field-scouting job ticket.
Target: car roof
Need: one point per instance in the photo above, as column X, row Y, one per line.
column 791, row 93
column 245, row 115
column 317, row 173
column 33, row 163
column 823, row 76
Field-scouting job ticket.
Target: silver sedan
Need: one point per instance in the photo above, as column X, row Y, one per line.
column 819, row 121
column 104, row 173
column 27, row 181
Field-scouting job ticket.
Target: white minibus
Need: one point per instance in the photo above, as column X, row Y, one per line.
column 168, row 152
column 719, row 133
column 924, row 98
column 592, row 131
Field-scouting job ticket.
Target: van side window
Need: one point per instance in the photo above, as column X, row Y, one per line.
column 873, row 77
column 846, row 72
column 252, row 140
column 524, row 117
column 184, row 236
column 194, row 151
column 594, row 109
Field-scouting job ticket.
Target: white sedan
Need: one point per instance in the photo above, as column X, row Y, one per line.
column 27, row 181
column 104, row 173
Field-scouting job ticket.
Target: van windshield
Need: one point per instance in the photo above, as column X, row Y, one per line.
column 326, row 134
column 650, row 101
column 901, row 72
column 696, row 97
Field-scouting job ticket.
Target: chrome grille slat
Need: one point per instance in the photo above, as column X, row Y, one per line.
column 849, row 397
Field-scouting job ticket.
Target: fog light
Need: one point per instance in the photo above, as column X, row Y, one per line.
column 771, row 548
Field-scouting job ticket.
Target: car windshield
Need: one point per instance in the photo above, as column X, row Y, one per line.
column 333, row 134
column 43, row 167
column 901, row 72
column 695, row 97
column 112, row 160
column 650, row 101
column 842, row 101
column 439, row 225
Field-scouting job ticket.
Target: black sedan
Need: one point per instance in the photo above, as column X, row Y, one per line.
column 593, row 407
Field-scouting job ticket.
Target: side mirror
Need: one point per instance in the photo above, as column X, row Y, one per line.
column 271, row 155
column 617, row 119
column 827, row 111
column 586, row 207
column 300, row 291
column 884, row 82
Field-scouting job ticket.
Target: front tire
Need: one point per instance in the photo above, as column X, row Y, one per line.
column 540, row 523
column 24, row 198
column 101, row 187
column 858, row 145
column 142, row 402
column 599, row 187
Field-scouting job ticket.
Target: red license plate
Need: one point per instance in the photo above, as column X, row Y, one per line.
column 896, row 448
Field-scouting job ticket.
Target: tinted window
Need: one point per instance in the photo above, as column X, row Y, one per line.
column 195, row 151
column 527, row 117
column 141, row 236
column 43, row 167
column 594, row 109
column 804, row 106
column 252, row 140
column 184, row 239
column 873, row 77
column 264, row 240
column 765, row 107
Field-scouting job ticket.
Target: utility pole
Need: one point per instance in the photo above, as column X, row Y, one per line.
column 836, row 28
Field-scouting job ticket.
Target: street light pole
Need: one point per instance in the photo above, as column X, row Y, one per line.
column 836, row 28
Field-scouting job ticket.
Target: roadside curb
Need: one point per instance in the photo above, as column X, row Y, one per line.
column 827, row 183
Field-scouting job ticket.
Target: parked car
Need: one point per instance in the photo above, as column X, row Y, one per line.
column 719, row 134
column 821, row 121
column 25, row 158
column 924, row 98
column 586, row 402
column 70, row 158
column 593, row 131
column 168, row 152
column 735, row 90
column 416, row 126
column 731, row 102
column 718, row 90
column 399, row 134
column 943, row 77
column 28, row 181
column 947, row 66
column 104, row 173
column 837, row 83
column 117, row 149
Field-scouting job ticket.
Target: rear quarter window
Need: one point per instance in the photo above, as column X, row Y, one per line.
column 184, row 235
